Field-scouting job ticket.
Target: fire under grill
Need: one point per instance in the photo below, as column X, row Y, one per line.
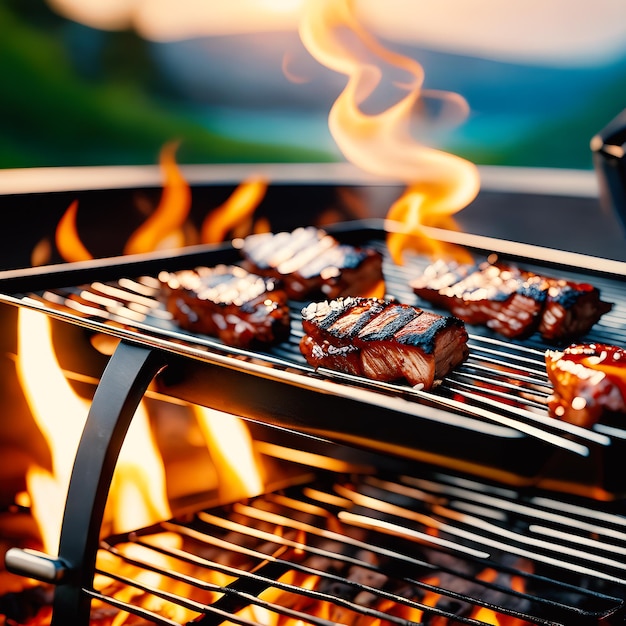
column 488, row 538
column 435, row 549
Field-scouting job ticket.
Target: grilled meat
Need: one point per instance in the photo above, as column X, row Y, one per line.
column 227, row 302
column 588, row 379
column 571, row 309
column 382, row 340
column 312, row 264
column 512, row 302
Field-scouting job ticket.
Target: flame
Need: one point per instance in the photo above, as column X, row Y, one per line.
column 60, row 415
column 163, row 228
column 234, row 216
column 415, row 211
column 440, row 184
column 301, row 603
column 68, row 242
column 230, row 445
column 137, row 495
column 489, row 616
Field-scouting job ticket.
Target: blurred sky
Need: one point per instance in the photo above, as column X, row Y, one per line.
column 545, row 32
column 121, row 77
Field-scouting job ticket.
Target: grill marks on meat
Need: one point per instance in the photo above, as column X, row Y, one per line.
column 227, row 302
column 571, row 309
column 588, row 379
column 484, row 295
column 312, row 264
column 512, row 302
column 382, row 340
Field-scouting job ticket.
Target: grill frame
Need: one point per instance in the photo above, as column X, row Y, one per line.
column 305, row 410
column 206, row 372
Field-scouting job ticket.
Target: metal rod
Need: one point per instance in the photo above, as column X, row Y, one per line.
column 34, row 564
column 122, row 386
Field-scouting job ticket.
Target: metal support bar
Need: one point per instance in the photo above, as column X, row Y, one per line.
column 122, row 386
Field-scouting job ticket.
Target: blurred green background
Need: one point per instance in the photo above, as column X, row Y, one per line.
column 77, row 95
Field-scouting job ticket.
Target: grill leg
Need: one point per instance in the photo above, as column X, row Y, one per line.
column 122, row 386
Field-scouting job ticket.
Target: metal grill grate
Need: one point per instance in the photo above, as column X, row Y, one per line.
column 437, row 549
column 400, row 549
column 489, row 417
column 502, row 383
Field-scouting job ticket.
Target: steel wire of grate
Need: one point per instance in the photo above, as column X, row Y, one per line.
column 400, row 549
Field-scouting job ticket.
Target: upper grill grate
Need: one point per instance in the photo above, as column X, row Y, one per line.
column 491, row 412
column 502, row 382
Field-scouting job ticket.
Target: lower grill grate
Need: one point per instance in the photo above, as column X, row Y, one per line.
column 438, row 550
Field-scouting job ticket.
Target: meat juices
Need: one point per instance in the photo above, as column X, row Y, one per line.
column 382, row 340
column 311, row 264
column 227, row 302
column 588, row 379
column 512, row 302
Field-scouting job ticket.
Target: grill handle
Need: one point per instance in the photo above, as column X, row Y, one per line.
column 608, row 149
column 36, row 565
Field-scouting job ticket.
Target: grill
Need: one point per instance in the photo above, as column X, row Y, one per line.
column 481, row 503
column 397, row 562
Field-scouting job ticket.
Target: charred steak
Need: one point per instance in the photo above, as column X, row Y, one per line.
column 227, row 302
column 588, row 379
column 512, row 302
column 312, row 264
column 382, row 340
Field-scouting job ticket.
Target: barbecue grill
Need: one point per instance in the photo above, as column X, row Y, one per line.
column 478, row 504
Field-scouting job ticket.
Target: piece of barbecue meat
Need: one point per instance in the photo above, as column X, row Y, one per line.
column 588, row 380
column 571, row 310
column 312, row 264
column 382, row 340
column 512, row 302
column 485, row 294
column 227, row 302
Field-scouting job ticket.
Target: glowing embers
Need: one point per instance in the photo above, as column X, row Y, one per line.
column 437, row 550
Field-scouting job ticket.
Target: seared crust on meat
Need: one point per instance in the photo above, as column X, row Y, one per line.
column 382, row 340
column 512, row 302
column 588, row 379
column 312, row 264
column 227, row 302
column 571, row 309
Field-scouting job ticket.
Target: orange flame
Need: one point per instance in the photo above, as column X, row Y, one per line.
column 165, row 227
column 45, row 389
column 235, row 213
column 230, row 445
column 137, row 497
column 68, row 243
column 441, row 183
column 170, row 214
column 60, row 414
